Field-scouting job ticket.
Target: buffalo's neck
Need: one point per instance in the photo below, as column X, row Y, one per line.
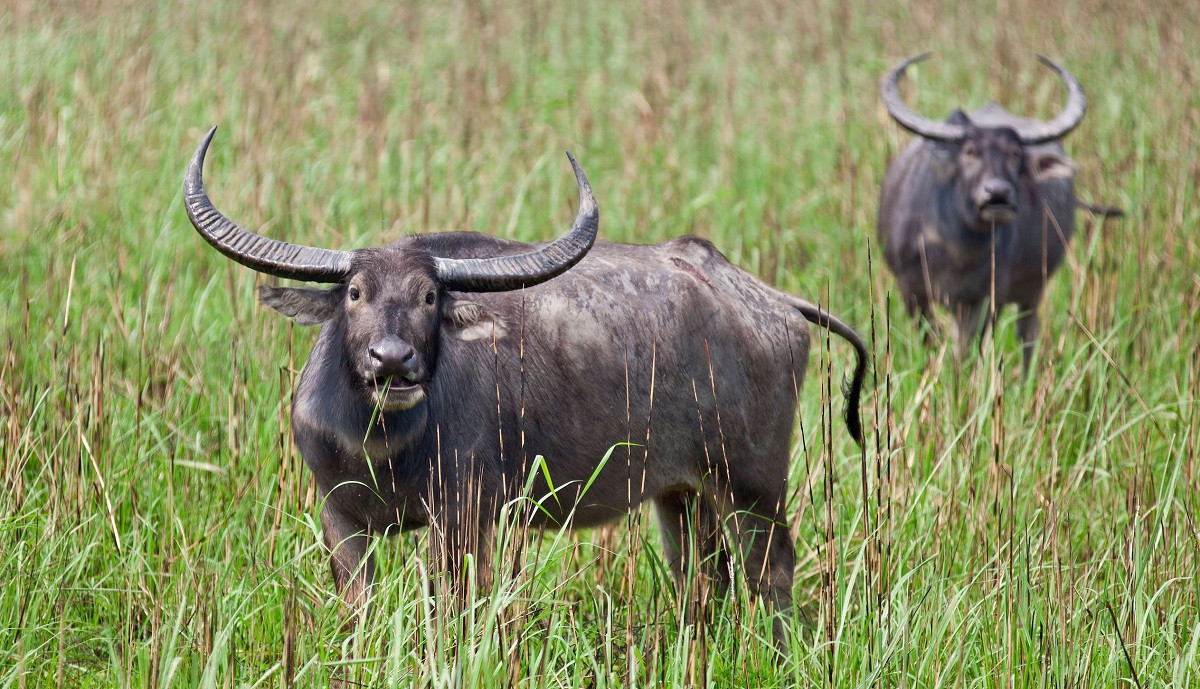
column 328, row 402
column 967, row 245
column 363, row 462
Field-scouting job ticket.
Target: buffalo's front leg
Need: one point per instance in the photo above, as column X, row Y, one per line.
column 1027, row 330
column 919, row 308
column 973, row 322
column 347, row 541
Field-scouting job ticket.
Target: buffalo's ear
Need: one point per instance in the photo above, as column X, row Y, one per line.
column 960, row 118
column 1047, row 165
column 305, row 305
column 468, row 320
column 944, row 160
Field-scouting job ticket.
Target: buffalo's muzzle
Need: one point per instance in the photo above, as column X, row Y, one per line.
column 998, row 201
column 393, row 357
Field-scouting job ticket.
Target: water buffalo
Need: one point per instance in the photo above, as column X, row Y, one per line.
column 447, row 363
column 979, row 209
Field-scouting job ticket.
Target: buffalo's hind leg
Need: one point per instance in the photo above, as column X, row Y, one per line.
column 464, row 551
column 466, row 499
column 757, row 518
column 694, row 551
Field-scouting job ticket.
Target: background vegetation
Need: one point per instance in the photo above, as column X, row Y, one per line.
column 157, row 527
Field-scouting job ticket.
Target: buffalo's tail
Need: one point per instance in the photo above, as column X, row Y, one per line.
column 1100, row 210
column 851, row 389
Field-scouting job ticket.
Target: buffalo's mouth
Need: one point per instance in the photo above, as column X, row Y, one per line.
column 997, row 211
column 394, row 393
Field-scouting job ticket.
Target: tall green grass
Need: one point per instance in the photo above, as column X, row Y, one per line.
column 157, row 527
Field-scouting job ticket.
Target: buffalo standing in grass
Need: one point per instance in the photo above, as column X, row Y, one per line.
column 979, row 209
column 446, row 363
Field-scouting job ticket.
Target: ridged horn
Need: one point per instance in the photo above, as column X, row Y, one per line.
column 263, row 254
column 1064, row 121
column 922, row 126
column 525, row 270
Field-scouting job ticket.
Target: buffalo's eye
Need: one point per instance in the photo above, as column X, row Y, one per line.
column 969, row 151
column 354, row 293
column 430, row 297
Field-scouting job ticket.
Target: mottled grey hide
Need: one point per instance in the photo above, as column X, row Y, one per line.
column 668, row 347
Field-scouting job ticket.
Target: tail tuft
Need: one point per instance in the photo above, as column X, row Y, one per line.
column 852, row 391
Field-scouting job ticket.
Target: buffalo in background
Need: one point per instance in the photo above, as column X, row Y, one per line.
column 979, row 210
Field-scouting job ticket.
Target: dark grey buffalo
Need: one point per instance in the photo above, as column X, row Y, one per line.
column 447, row 363
column 982, row 206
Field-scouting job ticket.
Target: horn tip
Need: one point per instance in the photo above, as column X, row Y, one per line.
column 914, row 59
column 585, row 187
column 891, row 79
column 198, row 156
column 575, row 166
column 587, row 198
column 193, row 179
column 208, row 137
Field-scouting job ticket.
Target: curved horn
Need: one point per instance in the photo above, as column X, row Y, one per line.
column 525, row 270
column 263, row 254
column 922, row 126
column 1063, row 122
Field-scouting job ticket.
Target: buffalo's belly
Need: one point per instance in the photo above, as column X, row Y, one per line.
column 583, row 515
column 613, row 488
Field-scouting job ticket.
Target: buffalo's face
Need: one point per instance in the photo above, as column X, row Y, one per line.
column 390, row 338
column 991, row 166
column 988, row 164
column 393, row 313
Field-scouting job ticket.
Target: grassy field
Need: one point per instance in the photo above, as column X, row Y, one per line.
column 158, row 528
